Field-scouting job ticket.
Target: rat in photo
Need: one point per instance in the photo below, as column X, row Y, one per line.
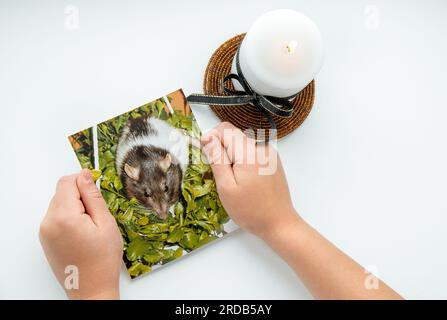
column 151, row 159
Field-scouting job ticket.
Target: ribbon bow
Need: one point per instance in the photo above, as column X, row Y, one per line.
column 268, row 105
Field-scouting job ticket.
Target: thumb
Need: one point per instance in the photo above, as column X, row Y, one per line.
column 218, row 159
column 91, row 197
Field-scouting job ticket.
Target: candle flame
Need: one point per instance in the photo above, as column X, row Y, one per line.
column 291, row 46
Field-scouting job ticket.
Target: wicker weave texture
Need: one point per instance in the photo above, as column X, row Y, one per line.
column 248, row 116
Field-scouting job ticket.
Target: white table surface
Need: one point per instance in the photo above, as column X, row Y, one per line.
column 367, row 168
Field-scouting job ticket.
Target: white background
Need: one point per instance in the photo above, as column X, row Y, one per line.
column 367, row 168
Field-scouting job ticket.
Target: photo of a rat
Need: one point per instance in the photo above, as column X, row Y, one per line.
column 151, row 159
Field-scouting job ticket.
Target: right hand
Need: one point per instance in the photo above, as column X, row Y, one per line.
column 261, row 204
column 250, row 180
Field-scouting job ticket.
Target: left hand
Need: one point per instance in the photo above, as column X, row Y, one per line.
column 78, row 230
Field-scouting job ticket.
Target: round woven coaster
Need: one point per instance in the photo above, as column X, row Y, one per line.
column 248, row 116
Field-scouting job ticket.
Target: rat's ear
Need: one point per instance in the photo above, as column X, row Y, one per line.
column 166, row 162
column 132, row 172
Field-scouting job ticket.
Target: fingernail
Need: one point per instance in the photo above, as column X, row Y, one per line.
column 87, row 175
column 205, row 139
column 205, row 148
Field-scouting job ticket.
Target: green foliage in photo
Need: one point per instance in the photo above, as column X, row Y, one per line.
column 197, row 218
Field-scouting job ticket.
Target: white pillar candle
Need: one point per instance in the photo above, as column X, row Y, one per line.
column 280, row 54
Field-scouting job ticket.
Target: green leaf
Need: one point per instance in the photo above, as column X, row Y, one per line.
column 175, row 236
column 117, row 183
column 206, row 240
column 202, row 214
column 155, row 228
column 95, row 174
column 169, row 255
column 205, row 226
column 137, row 269
column 143, row 221
column 178, row 252
column 108, row 156
column 222, row 216
column 186, row 194
column 153, row 256
column 109, row 197
column 212, row 204
column 178, row 209
column 160, row 105
column 126, row 216
column 189, row 240
column 191, row 206
column 137, row 248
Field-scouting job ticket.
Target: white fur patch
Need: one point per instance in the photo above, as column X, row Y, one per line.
column 165, row 137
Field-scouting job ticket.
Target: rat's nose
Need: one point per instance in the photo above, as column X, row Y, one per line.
column 162, row 211
column 162, row 214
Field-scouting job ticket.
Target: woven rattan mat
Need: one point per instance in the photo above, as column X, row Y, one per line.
column 248, row 116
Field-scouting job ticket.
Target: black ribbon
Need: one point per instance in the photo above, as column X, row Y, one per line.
column 268, row 105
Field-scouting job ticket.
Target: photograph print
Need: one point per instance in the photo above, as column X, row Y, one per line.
column 155, row 180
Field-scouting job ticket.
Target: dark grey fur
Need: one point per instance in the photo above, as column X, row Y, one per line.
column 155, row 188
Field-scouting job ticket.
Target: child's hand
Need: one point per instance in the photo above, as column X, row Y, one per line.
column 79, row 231
column 250, row 180
column 258, row 200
